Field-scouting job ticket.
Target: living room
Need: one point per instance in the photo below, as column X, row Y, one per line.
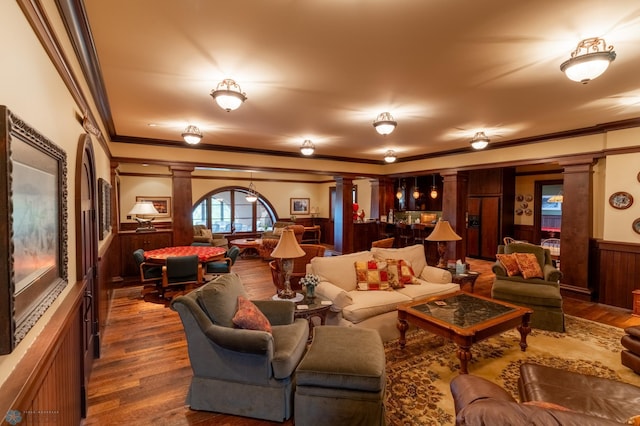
column 49, row 88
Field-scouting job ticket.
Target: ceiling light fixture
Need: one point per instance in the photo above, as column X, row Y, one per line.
column 228, row 95
column 385, row 124
column 479, row 141
column 590, row 59
column 307, row 148
column 252, row 195
column 192, row 135
column 434, row 189
column 390, row 156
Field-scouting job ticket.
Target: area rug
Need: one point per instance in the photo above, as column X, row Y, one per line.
column 418, row 376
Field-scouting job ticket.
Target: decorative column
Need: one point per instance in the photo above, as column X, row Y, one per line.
column 343, row 216
column 181, row 205
column 454, row 209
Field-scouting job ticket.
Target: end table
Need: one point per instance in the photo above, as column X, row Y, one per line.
column 317, row 308
column 469, row 277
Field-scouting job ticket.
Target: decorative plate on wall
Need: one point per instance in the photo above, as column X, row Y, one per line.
column 519, row 212
column 519, row 197
column 528, row 198
column 636, row 225
column 621, row 200
column 524, row 205
column 638, row 176
column 528, row 212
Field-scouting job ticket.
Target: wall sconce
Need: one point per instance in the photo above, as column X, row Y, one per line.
column 390, row 156
column 385, row 124
column 192, row 135
column 307, row 148
column 590, row 60
column 228, row 95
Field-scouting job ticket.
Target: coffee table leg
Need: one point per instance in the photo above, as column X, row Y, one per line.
column 403, row 326
column 464, row 355
column 524, row 330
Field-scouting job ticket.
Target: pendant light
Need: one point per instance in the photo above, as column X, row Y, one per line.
column 399, row 193
column 434, row 189
column 252, row 195
column 416, row 191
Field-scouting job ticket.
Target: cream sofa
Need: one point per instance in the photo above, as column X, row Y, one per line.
column 375, row 309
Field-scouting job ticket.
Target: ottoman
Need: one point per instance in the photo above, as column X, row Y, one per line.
column 631, row 355
column 341, row 379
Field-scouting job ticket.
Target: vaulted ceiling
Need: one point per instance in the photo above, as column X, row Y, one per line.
column 324, row 69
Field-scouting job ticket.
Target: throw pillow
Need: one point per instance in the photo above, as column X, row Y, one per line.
column 206, row 233
column 400, row 273
column 249, row 317
column 372, row 275
column 529, row 266
column 510, row 264
column 278, row 230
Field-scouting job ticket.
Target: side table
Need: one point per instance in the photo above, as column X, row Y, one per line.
column 469, row 277
column 308, row 310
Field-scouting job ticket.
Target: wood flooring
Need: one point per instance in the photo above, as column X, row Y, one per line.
column 143, row 374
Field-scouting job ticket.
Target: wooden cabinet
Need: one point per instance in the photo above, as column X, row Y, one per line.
column 131, row 241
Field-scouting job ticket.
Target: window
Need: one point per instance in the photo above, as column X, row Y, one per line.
column 226, row 210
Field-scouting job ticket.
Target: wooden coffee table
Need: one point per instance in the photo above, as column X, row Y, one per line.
column 247, row 245
column 465, row 319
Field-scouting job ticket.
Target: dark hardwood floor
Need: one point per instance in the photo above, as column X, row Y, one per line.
column 143, row 374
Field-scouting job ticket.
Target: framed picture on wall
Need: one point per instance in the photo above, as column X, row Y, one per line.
column 162, row 204
column 299, row 205
column 104, row 208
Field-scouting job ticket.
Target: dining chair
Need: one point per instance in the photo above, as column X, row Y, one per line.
column 181, row 272
column 150, row 273
column 224, row 265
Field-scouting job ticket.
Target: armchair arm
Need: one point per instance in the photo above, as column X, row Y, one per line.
column 277, row 312
column 551, row 273
column 436, row 275
column 499, row 270
column 466, row 389
column 338, row 296
column 240, row 340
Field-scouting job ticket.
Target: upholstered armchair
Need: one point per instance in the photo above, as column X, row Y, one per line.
column 516, row 285
column 276, row 231
column 203, row 236
column 240, row 371
column 270, row 243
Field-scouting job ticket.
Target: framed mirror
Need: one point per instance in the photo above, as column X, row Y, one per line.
column 33, row 227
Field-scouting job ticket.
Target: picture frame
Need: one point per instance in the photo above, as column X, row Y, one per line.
column 162, row 204
column 299, row 205
column 104, row 208
column 621, row 200
column 33, row 227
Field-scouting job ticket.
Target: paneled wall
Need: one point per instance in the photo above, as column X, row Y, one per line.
column 617, row 270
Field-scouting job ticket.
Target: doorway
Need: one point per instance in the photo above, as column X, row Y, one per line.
column 548, row 215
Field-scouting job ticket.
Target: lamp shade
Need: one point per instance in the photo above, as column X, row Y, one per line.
column 143, row 208
column 443, row 232
column 288, row 247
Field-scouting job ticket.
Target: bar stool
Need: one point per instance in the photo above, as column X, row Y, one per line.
column 418, row 233
column 405, row 234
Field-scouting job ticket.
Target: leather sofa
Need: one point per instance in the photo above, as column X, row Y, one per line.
column 630, row 356
column 549, row 396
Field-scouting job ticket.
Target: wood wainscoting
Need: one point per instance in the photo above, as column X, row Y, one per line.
column 616, row 266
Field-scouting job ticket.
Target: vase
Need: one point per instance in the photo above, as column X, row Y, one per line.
column 311, row 292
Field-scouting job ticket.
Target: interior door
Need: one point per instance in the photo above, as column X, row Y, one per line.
column 473, row 228
column 483, row 229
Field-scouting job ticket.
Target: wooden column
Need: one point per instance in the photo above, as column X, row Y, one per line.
column 181, row 206
column 577, row 225
column 343, row 218
column 454, row 209
column 382, row 197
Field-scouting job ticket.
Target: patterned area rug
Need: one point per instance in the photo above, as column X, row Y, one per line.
column 418, row 377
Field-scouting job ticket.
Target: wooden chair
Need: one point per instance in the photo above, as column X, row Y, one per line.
column 405, row 234
column 182, row 272
column 150, row 273
column 224, row 265
column 384, row 243
column 418, row 233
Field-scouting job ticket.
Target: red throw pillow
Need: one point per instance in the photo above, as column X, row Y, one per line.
column 400, row 273
column 510, row 264
column 529, row 266
column 249, row 317
column 372, row 275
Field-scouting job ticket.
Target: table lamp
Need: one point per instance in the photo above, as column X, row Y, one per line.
column 287, row 250
column 443, row 233
column 143, row 209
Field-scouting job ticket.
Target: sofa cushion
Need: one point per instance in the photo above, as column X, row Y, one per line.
column 400, row 273
column 219, row 298
column 372, row 275
column 339, row 270
column 510, row 263
column 426, row 289
column 529, row 266
column 413, row 254
column 249, row 317
column 367, row 304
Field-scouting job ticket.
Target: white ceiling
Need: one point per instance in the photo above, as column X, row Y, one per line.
column 324, row 69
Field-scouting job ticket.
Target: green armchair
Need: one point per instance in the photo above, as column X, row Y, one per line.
column 203, row 236
column 239, row 371
column 540, row 294
column 276, row 231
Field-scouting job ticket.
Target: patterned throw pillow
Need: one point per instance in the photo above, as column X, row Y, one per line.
column 249, row 317
column 372, row 275
column 529, row 266
column 510, row 263
column 400, row 273
column 278, row 230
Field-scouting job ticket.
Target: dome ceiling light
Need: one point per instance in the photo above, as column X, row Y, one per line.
column 307, row 148
column 192, row 135
column 390, row 156
column 228, row 95
column 480, row 141
column 385, row 124
column 589, row 61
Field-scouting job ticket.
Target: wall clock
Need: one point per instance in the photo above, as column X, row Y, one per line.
column 621, row 200
column 636, row 225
